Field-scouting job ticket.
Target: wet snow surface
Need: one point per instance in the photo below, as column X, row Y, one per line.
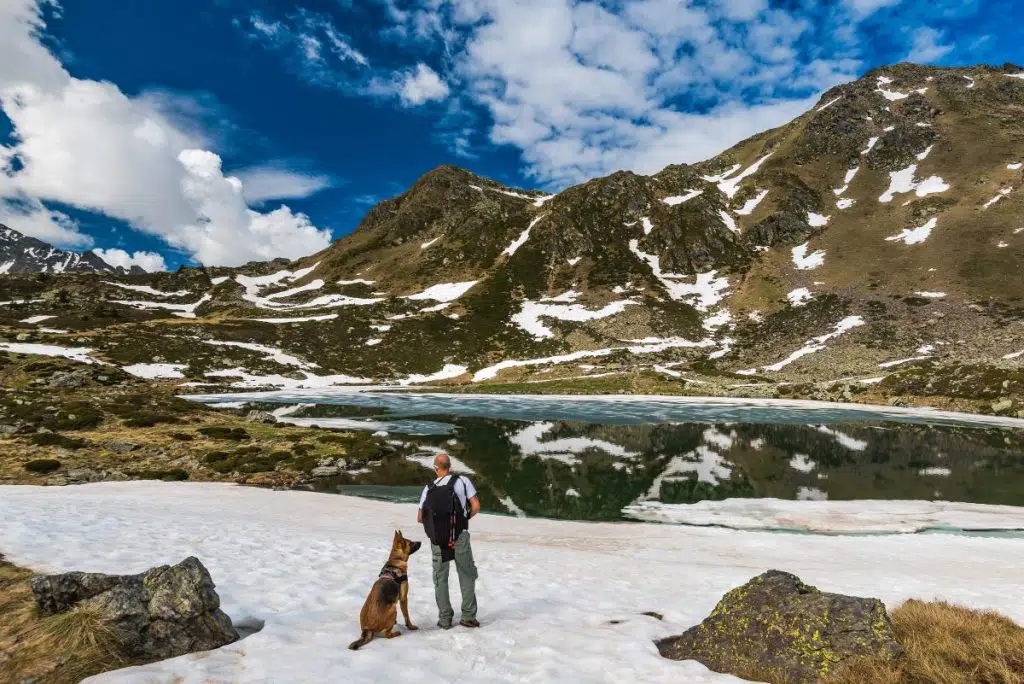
column 303, row 563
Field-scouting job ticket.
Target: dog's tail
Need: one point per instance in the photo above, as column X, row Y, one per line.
column 364, row 638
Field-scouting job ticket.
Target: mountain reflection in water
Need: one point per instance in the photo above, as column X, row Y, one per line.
column 590, row 471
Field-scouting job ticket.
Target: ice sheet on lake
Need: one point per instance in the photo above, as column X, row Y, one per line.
column 614, row 408
column 833, row 516
column 405, row 427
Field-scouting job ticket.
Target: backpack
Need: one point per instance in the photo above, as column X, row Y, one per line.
column 443, row 515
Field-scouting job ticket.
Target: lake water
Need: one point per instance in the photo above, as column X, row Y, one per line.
column 586, row 458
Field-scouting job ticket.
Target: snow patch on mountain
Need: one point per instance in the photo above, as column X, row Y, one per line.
column 181, row 310
column 156, row 371
column 913, row 236
column 80, row 354
column 807, row 262
column 443, row 292
column 530, row 313
column 680, row 199
column 751, row 204
column 901, row 182
column 814, row 345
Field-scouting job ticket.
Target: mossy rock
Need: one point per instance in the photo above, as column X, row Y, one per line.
column 775, row 628
column 42, row 466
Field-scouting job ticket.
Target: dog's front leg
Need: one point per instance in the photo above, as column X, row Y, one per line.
column 404, row 595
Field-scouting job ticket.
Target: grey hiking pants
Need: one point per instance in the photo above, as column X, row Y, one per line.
column 466, row 569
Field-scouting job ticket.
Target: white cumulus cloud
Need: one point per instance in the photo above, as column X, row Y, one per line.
column 86, row 144
column 927, row 46
column 262, row 183
column 421, row 85
column 30, row 217
column 151, row 262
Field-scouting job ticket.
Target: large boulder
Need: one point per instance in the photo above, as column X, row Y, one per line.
column 164, row 612
column 777, row 628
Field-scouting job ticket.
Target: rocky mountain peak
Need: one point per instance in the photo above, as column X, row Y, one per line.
column 22, row 254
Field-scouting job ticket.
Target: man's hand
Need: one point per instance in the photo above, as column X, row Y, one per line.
column 419, row 516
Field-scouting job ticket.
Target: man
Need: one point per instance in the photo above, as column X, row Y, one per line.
column 462, row 498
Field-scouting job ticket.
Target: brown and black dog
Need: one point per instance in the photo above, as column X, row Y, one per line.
column 380, row 612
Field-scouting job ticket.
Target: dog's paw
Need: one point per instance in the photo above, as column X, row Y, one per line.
column 411, row 627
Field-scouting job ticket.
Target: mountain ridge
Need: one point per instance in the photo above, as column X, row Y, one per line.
column 21, row 253
column 869, row 238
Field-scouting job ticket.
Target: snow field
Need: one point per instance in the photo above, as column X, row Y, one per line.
column 305, row 562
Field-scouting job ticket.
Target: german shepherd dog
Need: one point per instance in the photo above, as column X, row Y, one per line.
column 380, row 612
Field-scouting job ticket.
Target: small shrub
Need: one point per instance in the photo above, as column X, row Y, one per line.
column 302, row 449
column 172, row 475
column 216, row 457
column 149, row 419
column 42, row 466
column 279, row 456
column 183, row 436
column 56, row 439
column 331, row 439
column 220, row 432
column 224, row 467
column 249, row 451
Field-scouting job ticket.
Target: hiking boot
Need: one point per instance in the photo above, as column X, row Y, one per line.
column 444, row 625
column 469, row 622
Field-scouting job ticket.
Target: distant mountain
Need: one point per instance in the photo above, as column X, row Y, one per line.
column 872, row 248
column 22, row 254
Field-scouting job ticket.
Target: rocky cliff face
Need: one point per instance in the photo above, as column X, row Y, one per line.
column 873, row 242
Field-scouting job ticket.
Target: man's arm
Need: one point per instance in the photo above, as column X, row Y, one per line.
column 474, row 506
column 419, row 515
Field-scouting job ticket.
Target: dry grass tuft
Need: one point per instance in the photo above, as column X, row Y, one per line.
column 62, row 649
column 946, row 644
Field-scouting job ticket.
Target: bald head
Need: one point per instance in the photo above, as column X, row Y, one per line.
column 442, row 464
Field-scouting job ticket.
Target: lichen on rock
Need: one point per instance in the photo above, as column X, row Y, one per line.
column 779, row 629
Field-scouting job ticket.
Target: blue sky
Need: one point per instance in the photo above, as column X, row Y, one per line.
column 221, row 132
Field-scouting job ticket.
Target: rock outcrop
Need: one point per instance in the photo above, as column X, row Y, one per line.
column 164, row 612
column 775, row 627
